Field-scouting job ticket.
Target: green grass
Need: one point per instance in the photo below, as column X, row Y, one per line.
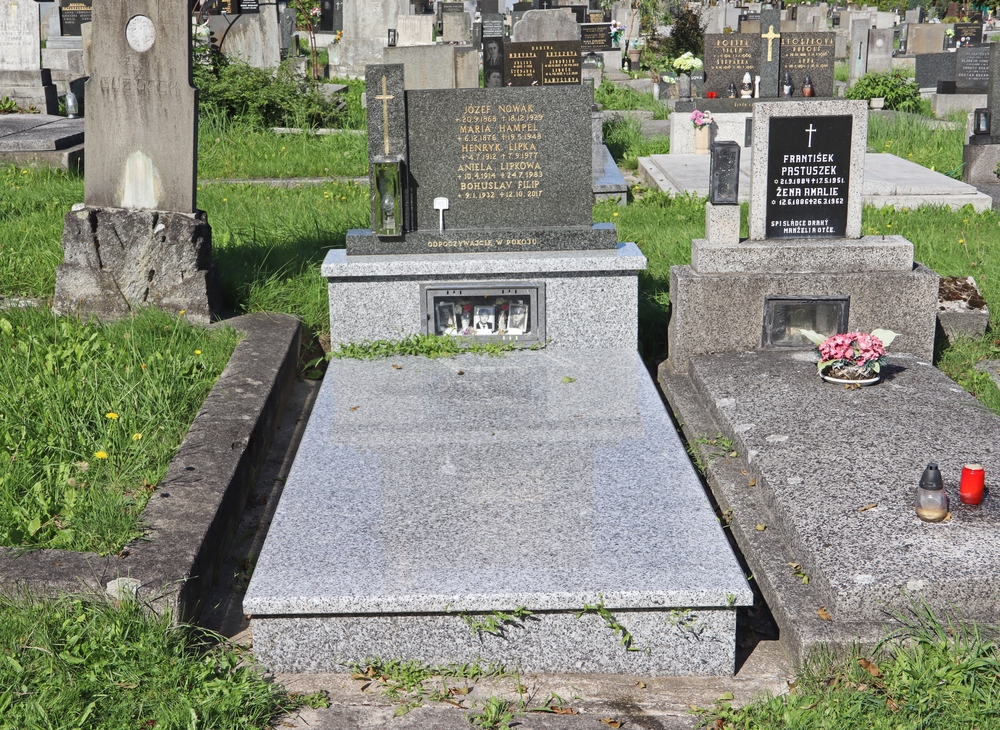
column 624, row 139
column 432, row 346
column 90, row 416
column 79, row 663
column 911, row 138
column 931, row 674
column 624, row 98
column 234, row 151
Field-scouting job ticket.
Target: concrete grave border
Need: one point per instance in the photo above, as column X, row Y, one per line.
column 194, row 511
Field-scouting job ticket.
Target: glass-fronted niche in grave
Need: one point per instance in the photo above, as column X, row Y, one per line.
column 511, row 311
column 786, row 317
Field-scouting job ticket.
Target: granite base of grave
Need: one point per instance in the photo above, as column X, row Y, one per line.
column 944, row 105
column 41, row 140
column 839, row 500
column 427, row 493
column 590, row 297
column 980, row 160
column 117, row 260
column 609, row 183
column 31, row 89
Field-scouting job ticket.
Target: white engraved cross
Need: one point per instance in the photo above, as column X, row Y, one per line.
column 810, row 130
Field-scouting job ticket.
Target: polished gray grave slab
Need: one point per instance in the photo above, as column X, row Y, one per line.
column 830, row 474
column 427, row 493
column 30, row 132
column 888, row 180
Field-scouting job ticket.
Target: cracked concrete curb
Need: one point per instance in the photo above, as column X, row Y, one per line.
column 191, row 516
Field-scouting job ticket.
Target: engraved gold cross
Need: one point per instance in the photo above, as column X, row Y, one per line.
column 384, row 98
column 770, row 35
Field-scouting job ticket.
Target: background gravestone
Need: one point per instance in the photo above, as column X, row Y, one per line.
column 879, row 50
column 138, row 239
column 415, row 30
column 972, row 70
column 809, row 54
column 542, row 63
column 857, row 61
column 546, row 25
column 934, row 67
column 20, row 76
column 770, row 52
column 456, row 27
column 925, row 38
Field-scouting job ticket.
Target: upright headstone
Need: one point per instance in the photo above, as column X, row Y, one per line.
column 552, row 63
column 331, row 17
column 972, row 70
column 546, row 25
column 139, row 239
column 493, row 61
column 365, row 35
column 254, row 38
column 925, row 38
column 595, row 37
column 857, row 63
column 966, row 34
column 456, row 27
column 415, row 30
column 770, row 52
column 809, row 54
column 729, row 56
column 934, row 67
column 21, row 78
column 879, row 50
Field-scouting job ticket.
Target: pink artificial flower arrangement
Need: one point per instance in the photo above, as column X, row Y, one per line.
column 852, row 354
column 701, row 119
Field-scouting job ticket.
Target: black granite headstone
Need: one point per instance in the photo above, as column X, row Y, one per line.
column 595, row 37
column 579, row 13
column 493, row 62
column 386, row 102
column 972, row 70
column 248, row 7
column 542, row 63
column 507, row 160
column 73, row 13
column 808, row 172
column 729, row 56
column 934, row 67
column 521, row 7
column 452, row 7
column 770, row 52
column 326, row 16
column 966, row 34
column 809, row 54
column 489, row 7
column 492, row 25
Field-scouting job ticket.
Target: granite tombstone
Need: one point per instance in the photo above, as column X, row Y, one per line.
column 595, row 37
column 546, row 25
column 925, row 38
column 879, row 50
column 551, row 63
column 493, row 55
column 72, row 14
column 966, row 34
column 972, row 70
column 770, row 52
column 934, row 67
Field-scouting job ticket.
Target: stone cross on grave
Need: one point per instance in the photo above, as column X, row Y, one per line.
column 384, row 97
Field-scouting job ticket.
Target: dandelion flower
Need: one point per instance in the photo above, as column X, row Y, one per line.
column 101, row 454
column 136, row 436
column 112, row 415
column 197, row 352
column 182, row 312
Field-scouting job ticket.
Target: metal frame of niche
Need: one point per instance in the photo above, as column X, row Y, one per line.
column 534, row 291
column 767, row 340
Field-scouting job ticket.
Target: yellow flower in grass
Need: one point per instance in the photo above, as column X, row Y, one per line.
column 197, row 352
column 113, row 416
column 101, row 454
column 136, row 436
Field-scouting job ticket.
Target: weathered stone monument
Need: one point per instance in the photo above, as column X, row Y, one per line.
column 138, row 239
column 482, row 231
column 366, row 28
column 981, row 155
column 21, row 78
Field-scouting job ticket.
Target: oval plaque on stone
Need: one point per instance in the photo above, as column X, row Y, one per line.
column 140, row 33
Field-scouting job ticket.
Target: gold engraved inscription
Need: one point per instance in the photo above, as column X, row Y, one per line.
column 499, row 156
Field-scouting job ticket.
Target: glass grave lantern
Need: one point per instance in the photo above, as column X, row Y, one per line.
column 724, row 173
column 931, row 500
column 389, row 185
column 982, row 122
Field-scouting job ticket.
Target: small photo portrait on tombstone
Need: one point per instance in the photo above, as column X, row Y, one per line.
column 485, row 320
column 517, row 321
column 494, row 80
column 446, row 318
column 465, row 318
column 502, row 315
column 491, row 53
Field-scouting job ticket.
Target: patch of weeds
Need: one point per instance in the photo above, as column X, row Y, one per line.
column 496, row 623
column 315, row 700
column 92, row 663
column 431, row 346
column 90, row 416
column 799, row 573
column 625, row 637
column 496, row 714
column 409, row 682
column 684, row 619
column 706, row 448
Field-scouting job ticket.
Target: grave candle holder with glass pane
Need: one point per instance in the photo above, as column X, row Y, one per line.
column 505, row 312
column 786, row 317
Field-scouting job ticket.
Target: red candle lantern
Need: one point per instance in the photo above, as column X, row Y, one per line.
column 970, row 489
column 711, row 95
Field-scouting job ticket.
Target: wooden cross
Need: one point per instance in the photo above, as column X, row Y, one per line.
column 770, row 35
column 384, row 98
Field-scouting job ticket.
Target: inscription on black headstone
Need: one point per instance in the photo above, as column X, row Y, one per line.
column 545, row 63
column 72, row 13
column 253, row 6
column 492, row 25
column 808, row 171
column 972, row 70
column 967, row 34
column 595, row 37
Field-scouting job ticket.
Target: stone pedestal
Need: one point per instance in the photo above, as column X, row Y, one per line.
column 118, row 260
column 980, row 161
column 31, row 89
